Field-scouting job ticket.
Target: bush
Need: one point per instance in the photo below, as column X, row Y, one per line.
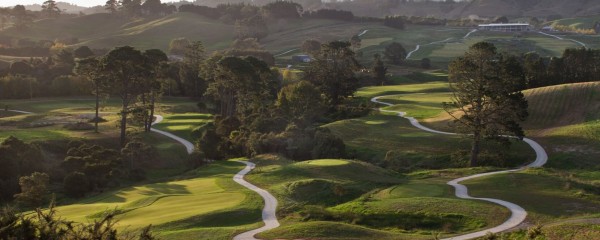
column 327, row 145
column 76, row 184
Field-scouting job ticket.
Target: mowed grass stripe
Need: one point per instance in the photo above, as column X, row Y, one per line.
column 161, row 203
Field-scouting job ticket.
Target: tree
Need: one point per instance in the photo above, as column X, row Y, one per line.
column 333, row 72
column 252, row 27
column 425, row 63
column 22, row 18
column 155, row 59
column 355, row 42
column 535, row 70
column 125, row 68
column 76, row 184
column 154, row 7
column 311, row 46
column 112, row 6
column 17, row 159
column 83, row 52
column 301, row 102
column 282, row 9
column 194, row 55
column 50, row 8
column 379, row 71
column 90, row 69
column 395, row 53
column 246, row 44
column 178, row 46
column 132, row 8
column 501, row 19
column 33, row 189
column 138, row 154
column 487, row 102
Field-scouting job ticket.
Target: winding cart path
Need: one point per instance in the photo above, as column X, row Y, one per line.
column 518, row 214
column 269, row 211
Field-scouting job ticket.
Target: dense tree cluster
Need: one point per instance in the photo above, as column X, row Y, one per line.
column 134, row 8
column 575, row 65
column 256, row 114
column 395, row 53
column 93, row 167
column 17, row 159
column 394, row 22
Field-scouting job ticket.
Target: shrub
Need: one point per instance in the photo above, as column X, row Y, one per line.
column 76, row 184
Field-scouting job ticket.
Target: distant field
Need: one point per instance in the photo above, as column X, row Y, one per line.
column 107, row 31
column 515, row 44
column 580, row 22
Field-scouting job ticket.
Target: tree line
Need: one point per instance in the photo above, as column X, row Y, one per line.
column 575, row 65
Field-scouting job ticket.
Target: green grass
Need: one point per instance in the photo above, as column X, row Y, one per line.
column 183, row 124
column 430, row 87
column 332, row 231
column 368, row 201
column 107, row 31
column 545, row 195
column 580, row 22
column 199, row 203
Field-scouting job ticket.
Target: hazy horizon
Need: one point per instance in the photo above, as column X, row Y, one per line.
column 83, row 3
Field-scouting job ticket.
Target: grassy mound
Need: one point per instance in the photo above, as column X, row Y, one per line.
column 546, row 195
column 361, row 196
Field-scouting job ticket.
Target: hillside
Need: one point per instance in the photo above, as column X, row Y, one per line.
column 107, row 31
column 481, row 8
column 541, row 8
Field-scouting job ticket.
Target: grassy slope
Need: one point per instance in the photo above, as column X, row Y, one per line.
column 107, row 31
column 580, row 22
column 183, row 124
column 367, row 190
column 526, row 42
column 565, row 120
column 422, row 98
column 197, row 204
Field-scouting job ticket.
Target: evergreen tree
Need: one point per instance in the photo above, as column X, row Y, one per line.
column 487, row 101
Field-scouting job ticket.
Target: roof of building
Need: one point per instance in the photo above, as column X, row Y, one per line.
column 503, row 24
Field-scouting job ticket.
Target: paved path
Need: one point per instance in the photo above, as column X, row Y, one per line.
column 19, row 111
column 188, row 145
column 518, row 214
column 419, row 47
column 560, row 38
column 269, row 211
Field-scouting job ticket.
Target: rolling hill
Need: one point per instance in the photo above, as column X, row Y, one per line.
column 470, row 8
column 104, row 30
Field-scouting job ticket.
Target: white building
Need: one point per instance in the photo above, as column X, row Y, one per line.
column 505, row 27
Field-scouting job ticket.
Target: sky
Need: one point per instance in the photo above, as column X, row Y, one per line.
column 83, row 3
